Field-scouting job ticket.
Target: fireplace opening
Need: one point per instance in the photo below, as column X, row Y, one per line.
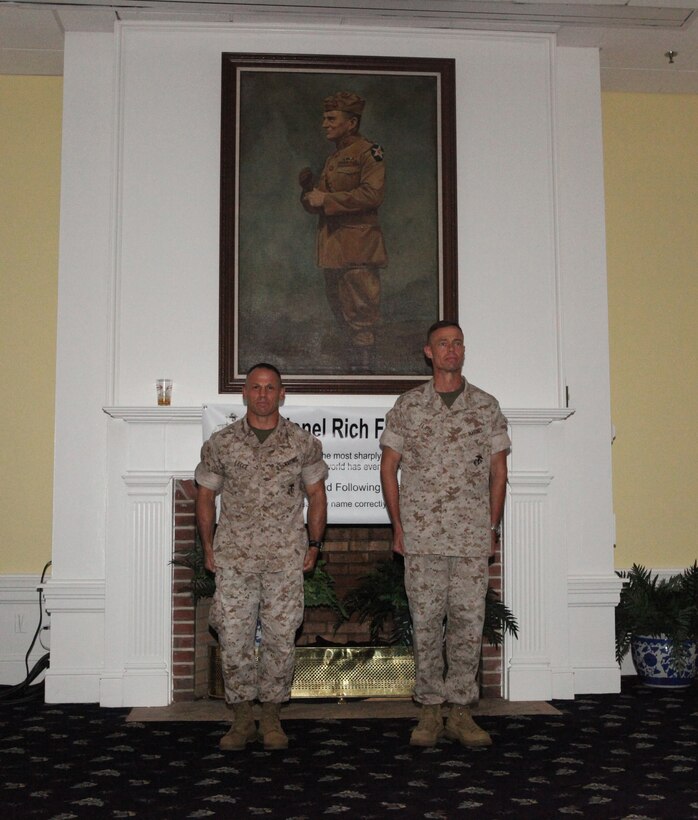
column 350, row 553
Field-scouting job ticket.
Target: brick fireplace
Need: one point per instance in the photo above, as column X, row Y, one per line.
column 350, row 553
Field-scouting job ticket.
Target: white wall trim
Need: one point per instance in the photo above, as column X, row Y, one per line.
column 20, row 588
column 77, row 639
column 75, row 595
column 594, row 589
column 20, row 611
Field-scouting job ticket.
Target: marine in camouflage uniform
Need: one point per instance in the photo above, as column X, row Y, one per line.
column 262, row 466
column 450, row 440
column 350, row 245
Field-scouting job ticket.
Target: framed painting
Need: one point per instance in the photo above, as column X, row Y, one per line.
column 338, row 218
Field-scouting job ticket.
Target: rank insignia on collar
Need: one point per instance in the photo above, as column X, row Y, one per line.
column 377, row 152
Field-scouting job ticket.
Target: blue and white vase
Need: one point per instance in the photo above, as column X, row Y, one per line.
column 655, row 666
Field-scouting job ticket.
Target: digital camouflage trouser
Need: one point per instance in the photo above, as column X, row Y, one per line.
column 240, row 598
column 441, row 587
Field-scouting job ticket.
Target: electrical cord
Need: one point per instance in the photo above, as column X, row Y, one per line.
column 26, row 691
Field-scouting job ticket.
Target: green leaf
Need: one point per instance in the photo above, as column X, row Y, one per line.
column 318, row 589
column 650, row 606
column 381, row 599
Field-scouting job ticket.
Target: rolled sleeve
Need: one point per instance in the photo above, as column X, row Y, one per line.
column 312, row 473
column 205, row 478
column 500, row 442
column 500, row 436
column 208, row 472
column 393, row 440
column 314, row 468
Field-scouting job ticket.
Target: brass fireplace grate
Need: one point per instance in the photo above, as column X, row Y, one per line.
column 340, row 672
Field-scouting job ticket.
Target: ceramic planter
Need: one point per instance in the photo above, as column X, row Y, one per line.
column 652, row 656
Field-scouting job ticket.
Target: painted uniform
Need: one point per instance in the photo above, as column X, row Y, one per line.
column 350, row 245
column 259, row 546
column 445, row 513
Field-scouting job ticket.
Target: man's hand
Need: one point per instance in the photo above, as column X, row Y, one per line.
column 315, row 198
column 311, row 556
column 398, row 541
column 209, row 562
column 305, row 179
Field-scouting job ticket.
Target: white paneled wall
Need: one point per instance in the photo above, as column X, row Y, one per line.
column 138, row 299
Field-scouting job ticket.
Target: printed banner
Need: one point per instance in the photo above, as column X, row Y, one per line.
column 349, row 437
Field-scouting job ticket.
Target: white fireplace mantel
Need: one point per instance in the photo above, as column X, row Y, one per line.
column 193, row 415
column 151, row 446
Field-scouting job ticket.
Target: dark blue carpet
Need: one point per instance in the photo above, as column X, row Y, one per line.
column 630, row 756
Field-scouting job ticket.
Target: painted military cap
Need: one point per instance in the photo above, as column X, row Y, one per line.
column 345, row 101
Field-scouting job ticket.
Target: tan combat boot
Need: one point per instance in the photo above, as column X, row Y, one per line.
column 460, row 726
column 243, row 729
column 430, row 726
column 270, row 729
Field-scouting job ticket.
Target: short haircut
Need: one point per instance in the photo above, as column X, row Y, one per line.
column 264, row 366
column 442, row 323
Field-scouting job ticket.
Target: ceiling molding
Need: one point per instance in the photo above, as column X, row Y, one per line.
column 633, row 36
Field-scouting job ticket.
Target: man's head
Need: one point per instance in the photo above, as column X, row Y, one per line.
column 444, row 347
column 342, row 114
column 263, row 391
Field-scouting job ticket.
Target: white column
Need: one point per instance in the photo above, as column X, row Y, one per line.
column 148, row 448
column 149, row 626
column 535, row 573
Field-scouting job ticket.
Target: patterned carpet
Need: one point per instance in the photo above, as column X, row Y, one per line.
column 628, row 756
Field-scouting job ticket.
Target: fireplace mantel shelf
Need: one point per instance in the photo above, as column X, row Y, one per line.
column 156, row 415
column 193, row 415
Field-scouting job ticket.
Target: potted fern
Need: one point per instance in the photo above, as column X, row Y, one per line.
column 657, row 620
column 381, row 599
column 318, row 585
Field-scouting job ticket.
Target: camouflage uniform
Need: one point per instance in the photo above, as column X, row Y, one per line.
column 445, row 513
column 259, row 547
column 350, row 244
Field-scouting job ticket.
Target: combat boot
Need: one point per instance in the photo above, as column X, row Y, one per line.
column 430, row 726
column 243, row 729
column 460, row 726
column 273, row 736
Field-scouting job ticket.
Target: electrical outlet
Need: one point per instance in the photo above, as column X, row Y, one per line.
column 19, row 624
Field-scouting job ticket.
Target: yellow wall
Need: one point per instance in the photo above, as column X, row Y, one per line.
column 651, row 174
column 651, row 166
column 30, row 136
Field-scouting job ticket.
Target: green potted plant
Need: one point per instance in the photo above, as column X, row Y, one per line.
column 657, row 620
column 318, row 586
column 380, row 597
column 203, row 582
column 318, row 590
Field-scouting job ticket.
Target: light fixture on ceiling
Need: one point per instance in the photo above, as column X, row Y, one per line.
column 670, row 56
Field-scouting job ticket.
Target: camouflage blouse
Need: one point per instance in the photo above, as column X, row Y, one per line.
column 262, row 488
column 445, row 468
